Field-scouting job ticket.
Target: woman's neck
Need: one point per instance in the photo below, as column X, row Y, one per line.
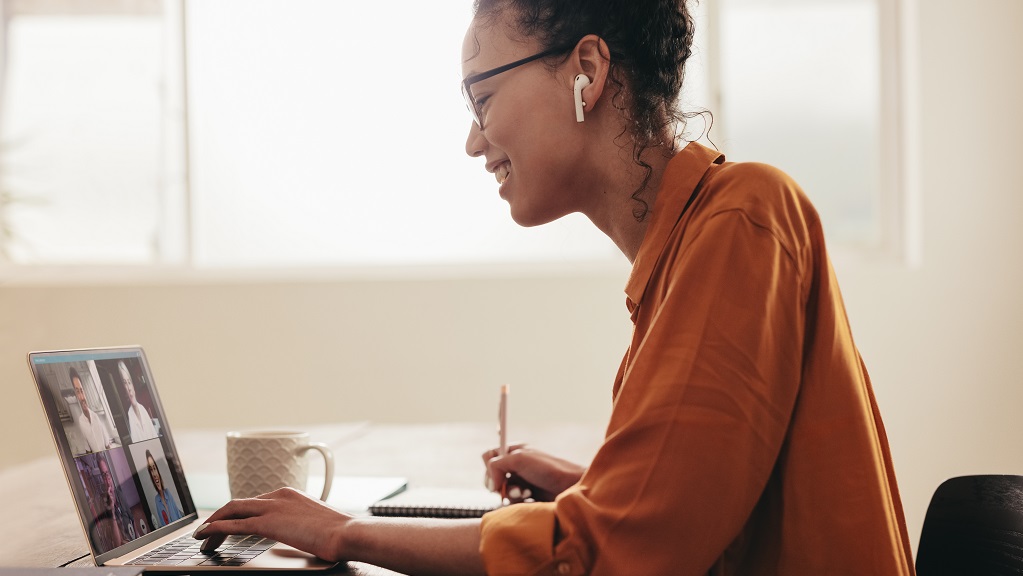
column 625, row 206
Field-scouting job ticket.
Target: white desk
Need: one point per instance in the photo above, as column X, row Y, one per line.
column 41, row 529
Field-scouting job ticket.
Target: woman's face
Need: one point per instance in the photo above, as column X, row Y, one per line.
column 154, row 474
column 129, row 387
column 530, row 140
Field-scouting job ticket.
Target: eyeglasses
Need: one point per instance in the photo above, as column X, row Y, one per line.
column 475, row 108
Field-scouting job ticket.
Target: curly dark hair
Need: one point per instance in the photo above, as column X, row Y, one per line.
column 649, row 43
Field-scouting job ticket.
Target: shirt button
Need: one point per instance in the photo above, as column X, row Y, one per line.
column 564, row 568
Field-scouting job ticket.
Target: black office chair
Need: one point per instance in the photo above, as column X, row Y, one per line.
column 973, row 527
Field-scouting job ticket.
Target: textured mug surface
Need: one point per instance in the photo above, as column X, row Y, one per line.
column 263, row 461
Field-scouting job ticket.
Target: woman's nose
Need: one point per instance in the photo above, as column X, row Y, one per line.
column 476, row 143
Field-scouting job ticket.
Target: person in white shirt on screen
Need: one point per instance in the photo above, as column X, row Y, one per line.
column 139, row 422
column 94, row 432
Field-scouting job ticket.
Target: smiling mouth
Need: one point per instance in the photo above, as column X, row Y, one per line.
column 502, row 172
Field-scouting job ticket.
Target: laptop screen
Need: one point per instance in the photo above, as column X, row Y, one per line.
column 114, row 444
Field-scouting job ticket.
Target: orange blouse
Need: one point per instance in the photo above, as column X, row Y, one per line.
column 745, row 438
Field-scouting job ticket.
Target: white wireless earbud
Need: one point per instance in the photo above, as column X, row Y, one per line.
column 581, row 81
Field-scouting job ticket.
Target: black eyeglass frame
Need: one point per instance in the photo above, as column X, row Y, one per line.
column 468, row 81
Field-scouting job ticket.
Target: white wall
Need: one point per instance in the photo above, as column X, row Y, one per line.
column 257, row 353
column 943, row 342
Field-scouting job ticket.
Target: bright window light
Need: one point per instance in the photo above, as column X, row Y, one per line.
column 801, row 90
column 325, row 133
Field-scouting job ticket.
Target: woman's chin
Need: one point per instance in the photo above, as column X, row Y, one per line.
column 528, row 218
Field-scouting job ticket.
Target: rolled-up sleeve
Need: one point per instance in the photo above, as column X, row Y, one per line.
column 519, row 540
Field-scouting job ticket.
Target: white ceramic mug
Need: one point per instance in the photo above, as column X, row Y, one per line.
column 263, row 461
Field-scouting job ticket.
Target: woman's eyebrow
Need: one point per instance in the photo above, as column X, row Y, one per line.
column 471, row 71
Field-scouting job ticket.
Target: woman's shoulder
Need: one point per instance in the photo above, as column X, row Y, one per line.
column 764, row 193
column 750, row 181
column 764, row 196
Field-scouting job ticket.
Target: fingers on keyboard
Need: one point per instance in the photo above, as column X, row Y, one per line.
column 210, row 544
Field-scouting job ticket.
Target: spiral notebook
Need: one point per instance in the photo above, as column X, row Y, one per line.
column 428, row 502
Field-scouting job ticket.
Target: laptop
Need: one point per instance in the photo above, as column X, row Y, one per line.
column 117, row 450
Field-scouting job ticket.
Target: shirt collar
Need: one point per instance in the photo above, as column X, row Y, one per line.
column 679, row 182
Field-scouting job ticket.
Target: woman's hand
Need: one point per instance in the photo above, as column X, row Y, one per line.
column 285, row 515
column 524, row 473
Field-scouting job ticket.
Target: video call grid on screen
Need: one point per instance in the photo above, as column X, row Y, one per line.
column 110, row 428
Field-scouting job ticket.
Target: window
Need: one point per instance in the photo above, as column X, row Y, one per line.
column 325, row 133
column 333, row 133
column 92, row 142
column 801, row 89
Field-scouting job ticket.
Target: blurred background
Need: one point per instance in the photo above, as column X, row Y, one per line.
column 273, row 198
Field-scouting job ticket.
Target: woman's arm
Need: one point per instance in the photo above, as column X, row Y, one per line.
column 407, row 545
column 416, row 545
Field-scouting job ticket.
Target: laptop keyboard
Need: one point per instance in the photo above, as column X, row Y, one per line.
column 184, row 551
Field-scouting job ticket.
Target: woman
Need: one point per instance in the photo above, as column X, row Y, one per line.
column 165, row 505
column 140, row 425
column 744, row 437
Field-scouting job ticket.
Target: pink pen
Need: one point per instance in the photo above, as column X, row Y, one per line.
column 502, row 433
column 502, row 421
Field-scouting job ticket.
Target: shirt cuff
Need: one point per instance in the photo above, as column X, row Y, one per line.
column 520, row 539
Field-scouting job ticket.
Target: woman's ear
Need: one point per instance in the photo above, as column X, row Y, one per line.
column 592, row 59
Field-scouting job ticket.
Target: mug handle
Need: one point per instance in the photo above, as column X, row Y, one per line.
column 328, row 462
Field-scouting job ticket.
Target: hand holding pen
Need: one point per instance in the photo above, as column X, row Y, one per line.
column 520, row 473
column 510, row 491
